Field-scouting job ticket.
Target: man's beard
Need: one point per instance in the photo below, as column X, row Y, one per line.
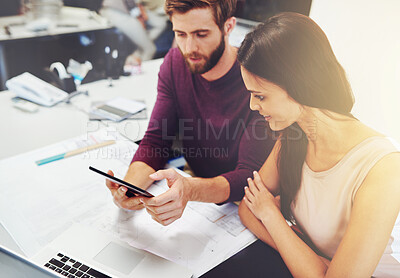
column 210, row 61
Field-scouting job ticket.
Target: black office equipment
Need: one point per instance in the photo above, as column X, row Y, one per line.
column 256, row 260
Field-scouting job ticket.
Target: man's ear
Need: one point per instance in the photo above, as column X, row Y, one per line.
column 229, row 25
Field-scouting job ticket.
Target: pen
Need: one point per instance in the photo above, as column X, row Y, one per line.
column 74, row 152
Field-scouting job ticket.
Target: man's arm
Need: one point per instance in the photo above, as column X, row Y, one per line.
column 138, row 174
column 153, row 150
column 211, row 190
column 255, row 145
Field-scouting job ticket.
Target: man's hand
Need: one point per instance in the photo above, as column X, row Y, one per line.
column 169, row 206
column 120, row 199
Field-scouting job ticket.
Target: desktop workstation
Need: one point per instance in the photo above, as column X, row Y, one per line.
column 55, row 37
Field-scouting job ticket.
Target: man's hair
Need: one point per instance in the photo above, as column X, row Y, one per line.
column 222, row 9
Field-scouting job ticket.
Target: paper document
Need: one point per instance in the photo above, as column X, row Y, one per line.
column 118, row 109
column 37, row 203
column 198, row 240
column 95, row 117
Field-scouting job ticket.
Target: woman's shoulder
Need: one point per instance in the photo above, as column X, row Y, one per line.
column 361, row 132
column 385, row 174
column 387, row 168
column 363, row 135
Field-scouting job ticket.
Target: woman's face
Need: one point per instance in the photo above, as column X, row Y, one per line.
column 271, row 101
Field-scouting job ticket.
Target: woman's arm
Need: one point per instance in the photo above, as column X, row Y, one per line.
column 374, row 213
column 375, row 209
column 300, row 259
column 254, row 225
column 258, row 229
column 270, row 179
column 269, row 171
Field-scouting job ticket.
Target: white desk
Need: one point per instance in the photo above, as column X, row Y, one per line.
column 22, row 131
column 80, row 196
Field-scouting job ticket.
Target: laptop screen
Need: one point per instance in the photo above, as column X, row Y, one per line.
column 15, row 266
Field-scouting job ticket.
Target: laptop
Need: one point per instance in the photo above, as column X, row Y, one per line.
column 84, row 252
column 13, row 265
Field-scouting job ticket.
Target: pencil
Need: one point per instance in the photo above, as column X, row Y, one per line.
column 74, row 152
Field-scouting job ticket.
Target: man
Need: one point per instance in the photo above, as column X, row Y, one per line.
column 201, row 94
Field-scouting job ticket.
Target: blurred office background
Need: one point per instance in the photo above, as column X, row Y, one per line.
column 363, row 34
column 365, row 37
column 34, row 54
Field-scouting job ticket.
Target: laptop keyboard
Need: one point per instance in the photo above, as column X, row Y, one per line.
column 71, row 268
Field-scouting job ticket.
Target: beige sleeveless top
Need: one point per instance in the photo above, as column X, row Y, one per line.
column 323, row 204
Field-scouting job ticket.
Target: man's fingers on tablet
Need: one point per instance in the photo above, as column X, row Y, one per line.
column 168, row 215
column 169, row 221
column 117, row 204
column 162, row 209
column 166, row 221
column 132, row 203
column 131, row 206
column 109, row 183
column 161, row 199
column 119, row 194
column 161, row 216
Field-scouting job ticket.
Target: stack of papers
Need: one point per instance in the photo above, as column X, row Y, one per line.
column 116, row 109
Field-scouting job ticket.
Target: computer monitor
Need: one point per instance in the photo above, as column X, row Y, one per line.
column 260, row 10
column 249, row 13
column 9, row 7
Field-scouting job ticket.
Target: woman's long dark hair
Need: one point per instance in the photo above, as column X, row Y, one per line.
column 292, row 51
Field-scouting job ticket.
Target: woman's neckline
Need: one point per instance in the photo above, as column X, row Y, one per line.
column 345, row 157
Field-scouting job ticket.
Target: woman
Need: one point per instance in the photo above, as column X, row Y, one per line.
column 338, row 180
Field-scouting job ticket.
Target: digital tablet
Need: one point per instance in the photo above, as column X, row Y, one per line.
column 132, row 190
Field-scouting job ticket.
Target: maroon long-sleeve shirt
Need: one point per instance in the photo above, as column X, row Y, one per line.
column 219, row 132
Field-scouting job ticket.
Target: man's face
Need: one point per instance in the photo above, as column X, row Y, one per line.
column 199, row 39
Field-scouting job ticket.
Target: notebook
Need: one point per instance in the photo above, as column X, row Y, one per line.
column 84, row 252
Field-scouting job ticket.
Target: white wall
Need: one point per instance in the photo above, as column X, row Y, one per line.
column 365, row 36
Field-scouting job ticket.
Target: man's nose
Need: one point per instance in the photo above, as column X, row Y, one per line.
column 191, row 45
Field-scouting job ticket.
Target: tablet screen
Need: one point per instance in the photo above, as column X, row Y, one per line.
column 136, row 190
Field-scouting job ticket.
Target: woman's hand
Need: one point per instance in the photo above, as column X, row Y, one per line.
column 259, row 200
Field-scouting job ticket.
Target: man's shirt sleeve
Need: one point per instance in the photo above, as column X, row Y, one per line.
column 255, row 145
column 155, row 146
